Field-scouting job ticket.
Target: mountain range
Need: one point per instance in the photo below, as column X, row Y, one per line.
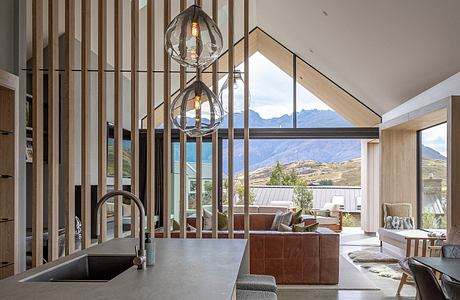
column 265, row 153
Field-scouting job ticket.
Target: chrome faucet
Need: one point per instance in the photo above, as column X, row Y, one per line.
column 140, row 259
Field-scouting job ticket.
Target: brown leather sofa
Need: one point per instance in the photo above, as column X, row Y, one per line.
column 291, row 257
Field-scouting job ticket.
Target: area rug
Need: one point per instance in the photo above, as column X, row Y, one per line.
column 369, row 256
column 392, row 271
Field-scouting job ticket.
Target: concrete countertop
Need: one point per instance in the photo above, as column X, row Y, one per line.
column 184, row 269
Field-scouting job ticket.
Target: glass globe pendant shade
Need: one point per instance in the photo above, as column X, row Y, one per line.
column 193, row 39
column 238, row 93
column 197, row 110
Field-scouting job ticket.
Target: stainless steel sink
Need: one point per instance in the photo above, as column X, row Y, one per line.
column 86, row 268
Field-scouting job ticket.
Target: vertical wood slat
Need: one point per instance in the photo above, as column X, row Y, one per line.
column 118, row 132
column 37, row 124
column 150, row 117
column 183, row 161
column 166, row 130
column 68, row 136
column 246, row 119
column 198, row 186
column 215, row 138
column 134, row 114
column 53, row 131
column 230, row 119
column 102, row 115
column 85, row 123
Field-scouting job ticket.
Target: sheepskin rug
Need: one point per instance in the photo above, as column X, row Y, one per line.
column 392, row 271
column 368, row 256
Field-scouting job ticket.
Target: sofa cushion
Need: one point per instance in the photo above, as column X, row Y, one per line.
column 222, row 221
column 284, row 228
column 276, row 220
column 397, row 209
column 327, row 220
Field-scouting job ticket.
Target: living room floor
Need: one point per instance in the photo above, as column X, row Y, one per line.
column 379, row 288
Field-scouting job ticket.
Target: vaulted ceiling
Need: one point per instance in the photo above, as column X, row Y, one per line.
column 381, row 52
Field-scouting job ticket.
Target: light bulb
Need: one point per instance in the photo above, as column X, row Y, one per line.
column 193, row 54
column 195, row 29
column 197, row 102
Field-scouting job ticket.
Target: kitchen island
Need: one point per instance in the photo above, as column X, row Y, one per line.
column 184, row 269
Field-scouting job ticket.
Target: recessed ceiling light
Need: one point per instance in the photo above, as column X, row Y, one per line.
column 311, row 51
column 325, row 13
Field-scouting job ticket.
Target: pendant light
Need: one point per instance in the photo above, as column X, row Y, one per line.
column 197, row 110
column 193, row 39
column 238, row 92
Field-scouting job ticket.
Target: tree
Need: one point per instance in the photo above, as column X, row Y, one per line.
column 207, row 193
column 303, row 196
column 239, row 190
column 276, row 176
column 326, row 182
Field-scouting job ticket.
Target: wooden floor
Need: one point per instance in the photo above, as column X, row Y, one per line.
column 352, row 240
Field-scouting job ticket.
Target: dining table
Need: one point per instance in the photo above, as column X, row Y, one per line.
column 448, row 266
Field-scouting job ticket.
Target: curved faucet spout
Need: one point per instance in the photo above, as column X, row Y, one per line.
column 140, row 258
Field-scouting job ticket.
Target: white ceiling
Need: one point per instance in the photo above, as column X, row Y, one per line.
column 382, row 52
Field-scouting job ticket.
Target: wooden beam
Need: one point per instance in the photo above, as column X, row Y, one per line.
column 246, row 119
column 230, row 119
column 166, row 130
column 118, row 132
column 102, row 115
column 183, row 160
column 37, row 124
column 150, row 116
column 134, row 114
column 68, row 136
column 86, row 123
column 198, row 191
column 453, row 168
column 53, row 131
column 215, row 138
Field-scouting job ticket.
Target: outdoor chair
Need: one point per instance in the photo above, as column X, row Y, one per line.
column 413, row 247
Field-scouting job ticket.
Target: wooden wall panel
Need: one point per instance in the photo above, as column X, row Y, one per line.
column 370, row 181
column 118, row 132
column 230, row 119
column 134, row 114
column 183, row 160
column 166, row 131
column 102, row 114
column 246, row 119
column 150, row 116
column 215, row 138
column 85, row 123
column 453, row 157
column 398, row 168
column 37, row 124
column 68, row 136
column 53, row 130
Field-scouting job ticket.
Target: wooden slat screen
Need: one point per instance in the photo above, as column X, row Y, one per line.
column 150, row 116
column 215, row 138
column 37, row 124
column 246, row 119
column 53, row 130
column 230, row 119
column 166, row 130
column 68, row 136
column 85, row 123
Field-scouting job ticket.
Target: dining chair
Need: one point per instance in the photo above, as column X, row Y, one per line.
column 428, row 287
column 415, row 246
column 451, row 251
column 451, row 287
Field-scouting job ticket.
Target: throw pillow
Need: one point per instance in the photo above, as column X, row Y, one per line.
column 312, row 227
column 222, row 221
column 276, row 220
column 207, row 220
column 175, row 225
column 296, row 217
column 323, row 213
column 286, row 218
column 298, row 227
column 396, row 222
column 284, row 228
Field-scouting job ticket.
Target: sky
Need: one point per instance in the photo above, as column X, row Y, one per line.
column 436, row 138
column 271, row 90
